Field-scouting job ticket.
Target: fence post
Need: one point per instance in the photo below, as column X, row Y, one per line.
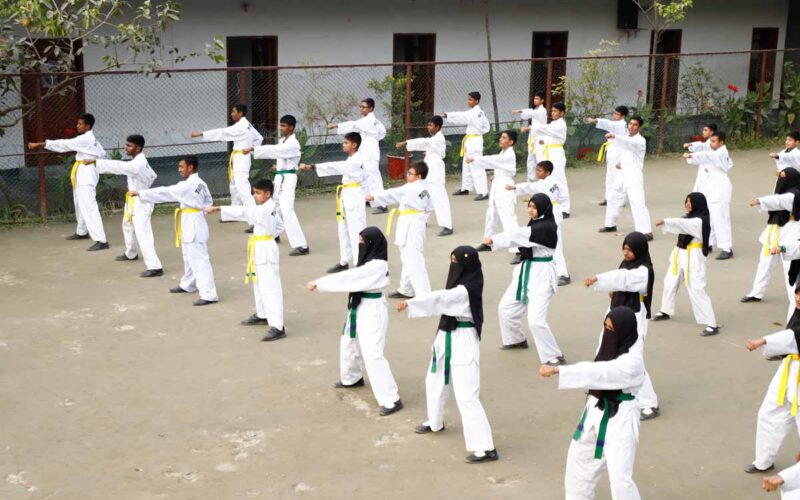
column 242, row 87
column 40, row 138
column 761, row 93
column 406, row 156
column 663, row 105
column 548, row 84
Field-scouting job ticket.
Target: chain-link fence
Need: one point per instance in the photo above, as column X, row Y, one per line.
column 750, row 95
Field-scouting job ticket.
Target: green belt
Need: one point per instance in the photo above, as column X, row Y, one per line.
column 354, row 311
column 448, row 349
column 601, row 434
column 284, row 172
column 524, row 275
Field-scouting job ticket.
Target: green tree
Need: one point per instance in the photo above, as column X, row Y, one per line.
column 47, row 36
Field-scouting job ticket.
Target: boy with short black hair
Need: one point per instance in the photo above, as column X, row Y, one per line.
column 136, row 229
column 435, row 148
column 350, row 213
column 536, row 114
column 790, row 155
column 244, row 136
column 471, row 145
column 263, row 258
column 699, row 146
column 191, row 229
column 552, row 137
column 83, row 178
column 608, row 151
column 288, row 154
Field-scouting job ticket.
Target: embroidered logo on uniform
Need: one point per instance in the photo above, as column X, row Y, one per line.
column 423, row 194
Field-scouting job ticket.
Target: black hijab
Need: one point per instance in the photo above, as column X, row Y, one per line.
column 373, row 248
column 466, row 271
column 794, row 322
column 641, row 250
column 613, row 345
column 699, row 210
column 790, row 182
column 544, row 229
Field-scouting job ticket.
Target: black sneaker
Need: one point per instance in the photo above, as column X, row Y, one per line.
column 380, row 210
column 661, row 316
column 603, row 203
column 748, row 298
column 709, row 331
column 606, row 229
column 561, row 360
column 337, row 268
column 254, row 320
column 152, row 273
column 488, row 456
column 725, row 255
column 277, row 239
column 483, row 248
column 649, row 413
column 98, row 245
column 249, row 230
column 564, row 280
column 274, row 334
column 77, row 236
column 124, row 258
column 460, row 192
column 565, row 215
column 518, row 345
column 299, row 251
column 385, row 412
column 203, row 302
column 357, row 383
column 398, row 295
column 481, row 197
column 446, row 231
column 752, row 469
column 425, row 429
column 177, row 289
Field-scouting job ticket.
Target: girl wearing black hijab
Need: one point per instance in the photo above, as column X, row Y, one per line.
column 782, row 227
column 608, row 430
column 455, row 359
column 632, row 285
column 533, row 283
column 364, row 331
column 687, row 263
column 778, row 412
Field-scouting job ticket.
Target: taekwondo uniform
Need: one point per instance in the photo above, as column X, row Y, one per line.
column 191, row 231
column 84, row 180
column 549, row 186
column 718, row 189
column 790, row 489
column 554, row 135
column 611, row 151
column 243, row 135
column 136, row 228
column 472, row 145
column 788, row 158
column 435, row 148
column 372, row 132
column 501, row 200
column 629, row 183
column 535, row 150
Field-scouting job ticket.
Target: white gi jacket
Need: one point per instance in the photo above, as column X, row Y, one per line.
column 372, row 132
column 435, row 148
column 190, row 193
column 717, row 186
column 85, row 147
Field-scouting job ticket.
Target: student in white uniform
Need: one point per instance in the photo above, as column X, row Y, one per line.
column 687, row 263
column 136, row 229
column 717, row 190
column 782, row 229
column 244, row 136
column 364, row 332
column 790, row 155
column 608, row 431
column 629, row 183
column 435, row 148
column 287, row 152
column 372, row 132
column 501, row 201
column 778, row 413
column 471, row 145
column 83, row 179
column 351, row 216
column 455, row 359
column 787, row 480
column 609, row 152
column 632, row 286
column 191, row 229
column 547, row 185
column 263, row 258
column 533, row 282
column 412, row 214
column 697, row 147
column 537, row 114
column 552, row 137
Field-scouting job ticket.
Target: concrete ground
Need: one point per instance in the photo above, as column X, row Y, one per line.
column 110, row 387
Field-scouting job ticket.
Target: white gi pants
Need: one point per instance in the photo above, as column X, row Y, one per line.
column 241, row 193
column 473, row 177
column 720, row 218
column 774, row 422
column 531, row 162
column 269, row 293
column 635, row 195
column 696, row 287
column 87, row 212
column 763, row 272
column 372, row 181
column 285, row 185
column 138, row 233
column 541, row 288
column 558, row 256
column 559, row 161
column 413, row 274
column 612, row 179
column 499, row 212
column 371, row 324
column 619, row 454
column 354, row 221
column 198, row 274
column 441, row 204
column 465, row 380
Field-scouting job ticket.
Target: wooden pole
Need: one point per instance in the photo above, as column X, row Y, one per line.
column 406, row 156
column 761, row 93
column 40, row 138
column 663, row 105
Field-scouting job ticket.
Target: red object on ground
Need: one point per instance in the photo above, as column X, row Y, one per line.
column 582, row 152
column 397, row 167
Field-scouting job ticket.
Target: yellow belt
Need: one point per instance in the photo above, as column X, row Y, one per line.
column 178, row 217
column 773, row 232
column 128, row 212
column 787, row 361
column 339, row 211
column 251, row 250
column 464, row 141
column 601, row 155
column 73, row 174
column 547, row 148
column 531, row 143
column 397, row 212
column 688, row 255
column 230, row 163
